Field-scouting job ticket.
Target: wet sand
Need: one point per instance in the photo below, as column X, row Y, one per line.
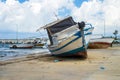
column 101, row 64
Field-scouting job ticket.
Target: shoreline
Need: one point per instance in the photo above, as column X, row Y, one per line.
column 8, row 54
column 23, row 58
column 101, row 64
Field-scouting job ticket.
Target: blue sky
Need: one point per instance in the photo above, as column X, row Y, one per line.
column 29, row 15
column 21, row 1
column 79, row 2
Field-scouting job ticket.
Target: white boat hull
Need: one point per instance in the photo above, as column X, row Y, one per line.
column 72, row 46
column 68, row 38
column 21, row 46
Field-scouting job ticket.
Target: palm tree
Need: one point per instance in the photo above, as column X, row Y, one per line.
column 115, row 33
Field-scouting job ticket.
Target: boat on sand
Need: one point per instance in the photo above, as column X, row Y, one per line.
column 68, row 38
column 100, row 43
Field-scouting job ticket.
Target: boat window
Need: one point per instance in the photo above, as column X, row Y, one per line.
column 61, row 25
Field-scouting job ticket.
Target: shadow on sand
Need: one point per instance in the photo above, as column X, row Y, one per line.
column 43, row 58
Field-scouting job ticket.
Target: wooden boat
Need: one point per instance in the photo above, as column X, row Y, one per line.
column 68, row 38
column 100, row 43
column 18, row 45
column 21, row 46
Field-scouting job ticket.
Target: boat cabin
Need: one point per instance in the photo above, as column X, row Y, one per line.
column 58, row 26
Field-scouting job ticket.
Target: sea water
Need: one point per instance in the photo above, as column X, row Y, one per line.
column 6, row 53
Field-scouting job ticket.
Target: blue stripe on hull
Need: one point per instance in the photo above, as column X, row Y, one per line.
column 65, row 45
column 72, row 52
column 75, row 51
column 68, row 43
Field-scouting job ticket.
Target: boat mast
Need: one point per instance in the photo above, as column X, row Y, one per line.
column 56, row 16
column 104, row 28
column 17, row 33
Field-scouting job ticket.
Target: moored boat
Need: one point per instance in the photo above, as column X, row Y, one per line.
column 21, row 46
column 100, row 43
column 38, row 43
column 68, row 38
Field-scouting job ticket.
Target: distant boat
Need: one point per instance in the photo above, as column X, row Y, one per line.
column 68, row 38
column 100, row 43
column 18, row 45
column 21, row 46
column 38, row 43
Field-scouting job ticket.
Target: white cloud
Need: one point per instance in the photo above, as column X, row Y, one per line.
column 35, row 7
column 96, row 12
column 31, row 14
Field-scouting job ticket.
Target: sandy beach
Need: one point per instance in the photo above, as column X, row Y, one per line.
column 101, row 64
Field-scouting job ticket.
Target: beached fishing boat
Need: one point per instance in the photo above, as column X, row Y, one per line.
column 100, row 43
column 68, row 38
column 21, row 46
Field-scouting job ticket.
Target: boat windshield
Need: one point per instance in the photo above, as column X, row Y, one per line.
column 61, row 25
